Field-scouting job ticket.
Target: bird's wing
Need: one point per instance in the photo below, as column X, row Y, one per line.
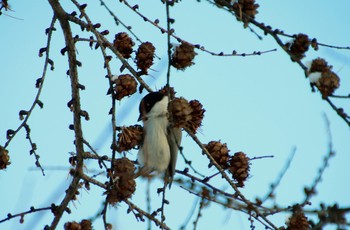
column 174, row 139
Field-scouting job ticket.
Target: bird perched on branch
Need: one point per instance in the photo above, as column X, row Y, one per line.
column 161, row 140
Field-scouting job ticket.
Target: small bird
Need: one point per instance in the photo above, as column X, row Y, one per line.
column 161, row 140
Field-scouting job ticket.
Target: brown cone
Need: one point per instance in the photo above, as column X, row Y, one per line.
column 86, row 225
column 129, row 138
column 125, row 85
column 299, row 46
column 247, row 7
column 219, row 152
column 183, row 56
column 144, row 56
column 197, row 115
column 180, row 112
column 239, row 167
column 4, row 158
column 123, row 182
column 72, row 226
column 123, row 43
column 328, row 83
column 319, row 65
column 164, row 91
column 298, row 220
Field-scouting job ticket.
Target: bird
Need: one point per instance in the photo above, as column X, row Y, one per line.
column 161, row 140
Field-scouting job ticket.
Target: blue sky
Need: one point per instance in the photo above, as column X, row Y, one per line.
column 262, row 105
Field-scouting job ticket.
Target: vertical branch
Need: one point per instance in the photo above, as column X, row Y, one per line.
column 148, row 200
column 73, row 74
column 169, row 45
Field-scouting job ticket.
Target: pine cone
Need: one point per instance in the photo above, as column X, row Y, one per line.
column 328, row 83
column 72, row 226
column 129, row 138
column 183, row 56
column 86, row 225
column 144, row 56
column 319, row 65
column 180, row 112
column 123, row 43
column 248, row 7
column 219, row 152
column 164, row 91
column 299, row 46
column 298, row 220
column 123, row 182
column 197, row 115
column 239, row 167
column 4, row 158
column 125, row 85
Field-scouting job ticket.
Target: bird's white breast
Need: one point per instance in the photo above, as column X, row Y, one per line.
column 155, row 152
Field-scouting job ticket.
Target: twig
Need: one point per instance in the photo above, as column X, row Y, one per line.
column 167, row 10
column 189, row 163
column 100, row 159
column 110, row 46
column 281, row 175
column 274, row 33
column 40, row 84
column 170, row 32
column 241, row 208
column 73, row 73
column 93, row 181
column 309, row 192
column 192, row 211
column 109, row 74
column 199, row 214
column 261, row 157
column 225, row 176
column 164, row 201
column 148, row 201
column 141, row 213
column 117, row 20
column 33, row 150
column 22, row 214
column 336, row 109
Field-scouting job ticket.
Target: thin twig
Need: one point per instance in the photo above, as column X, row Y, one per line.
column 141, row 212
column 225, row 176
column 171, row 33
column 281, row 175
column 40, row 83
column 117, row 20
column 22, row 214
column 312, row 190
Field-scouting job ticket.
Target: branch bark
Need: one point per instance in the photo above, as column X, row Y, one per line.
column 73, row 74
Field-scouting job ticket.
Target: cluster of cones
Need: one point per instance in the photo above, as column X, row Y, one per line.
column 238, row 164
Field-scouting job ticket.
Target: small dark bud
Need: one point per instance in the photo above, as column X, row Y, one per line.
column 83, row 6
column 105, row 32
column 38, row 82
column 80, row 86
column 78, row 63
column 97, row 25
column 64, row 50
column 41, row 51
column 51, row 63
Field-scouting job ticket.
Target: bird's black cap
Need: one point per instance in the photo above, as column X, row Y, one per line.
column 148, row 102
